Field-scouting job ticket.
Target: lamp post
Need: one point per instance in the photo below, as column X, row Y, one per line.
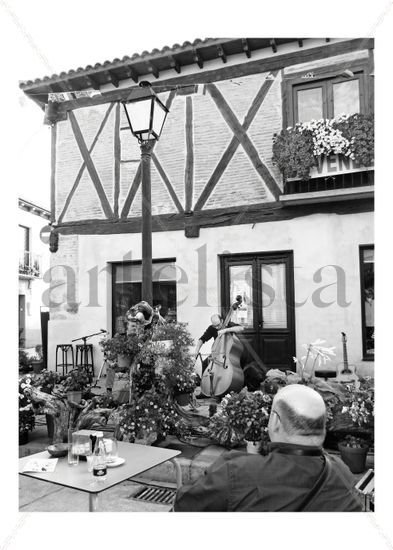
column 146, row 116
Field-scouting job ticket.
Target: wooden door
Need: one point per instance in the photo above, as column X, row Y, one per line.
column 265, row 283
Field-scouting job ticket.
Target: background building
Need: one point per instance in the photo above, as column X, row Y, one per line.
column 225, row 222
column 34, row 261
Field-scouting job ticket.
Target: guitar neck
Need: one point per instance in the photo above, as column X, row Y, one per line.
column 345, row 358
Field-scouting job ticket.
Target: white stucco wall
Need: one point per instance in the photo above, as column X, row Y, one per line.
column 317, row 240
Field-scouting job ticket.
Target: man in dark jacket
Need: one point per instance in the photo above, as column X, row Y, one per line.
column 283, row 480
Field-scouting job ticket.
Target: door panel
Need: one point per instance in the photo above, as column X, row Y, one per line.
column 265, row 283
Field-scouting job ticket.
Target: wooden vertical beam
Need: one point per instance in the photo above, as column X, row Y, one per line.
column 91, row 82
column 117, row 152
column 189, row 170
column 300, row 42
column 53, row 174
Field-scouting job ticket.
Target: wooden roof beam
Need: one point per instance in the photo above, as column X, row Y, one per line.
column 91, row 82
column 174, row 63
column 131, row 73
column 197, row 58
column 273, row 45
column 246, row 47
column 152, row 69
column 221, row 53
column 112, row 78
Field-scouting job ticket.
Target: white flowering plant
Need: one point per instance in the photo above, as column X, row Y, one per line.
column 296, row 149
column 316, row 352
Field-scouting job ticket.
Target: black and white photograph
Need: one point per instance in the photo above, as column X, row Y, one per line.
column 193, row 221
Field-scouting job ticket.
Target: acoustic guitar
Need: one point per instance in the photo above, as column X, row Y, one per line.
column 224, row 373
column 346, row 372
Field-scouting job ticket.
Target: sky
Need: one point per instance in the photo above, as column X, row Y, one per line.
column 42, row 37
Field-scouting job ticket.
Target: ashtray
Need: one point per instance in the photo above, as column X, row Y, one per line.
column 58, row 449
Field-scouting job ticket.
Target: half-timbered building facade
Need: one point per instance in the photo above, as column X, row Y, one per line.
column 225, row 223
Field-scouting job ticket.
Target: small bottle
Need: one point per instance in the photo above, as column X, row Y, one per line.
column 99, row 460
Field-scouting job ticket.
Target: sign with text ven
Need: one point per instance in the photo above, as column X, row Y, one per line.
column 336, row 164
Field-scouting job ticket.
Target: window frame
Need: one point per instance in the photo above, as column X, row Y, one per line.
column 327, row 76
column 362, row 249
column 134, row 263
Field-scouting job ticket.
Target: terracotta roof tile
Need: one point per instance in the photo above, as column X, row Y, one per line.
column 135, row 56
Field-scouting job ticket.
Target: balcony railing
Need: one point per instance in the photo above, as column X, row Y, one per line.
column 29, row 264
column 328, row 183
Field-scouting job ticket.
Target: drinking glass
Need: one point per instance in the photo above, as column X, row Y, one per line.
column 73, row 456
column 111, row 450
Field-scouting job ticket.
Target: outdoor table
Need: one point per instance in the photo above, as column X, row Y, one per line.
column 138, row 459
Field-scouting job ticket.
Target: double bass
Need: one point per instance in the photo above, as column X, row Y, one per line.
column 224, row 373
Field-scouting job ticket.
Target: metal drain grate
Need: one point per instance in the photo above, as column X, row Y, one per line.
column 153, row 493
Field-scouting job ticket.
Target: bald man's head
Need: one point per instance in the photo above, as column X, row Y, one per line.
column 216, row 320
column 301, row 414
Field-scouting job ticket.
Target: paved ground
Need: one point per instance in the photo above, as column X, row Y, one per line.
column 38, row 496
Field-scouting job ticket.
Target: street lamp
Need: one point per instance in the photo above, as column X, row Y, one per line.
column 146, row 115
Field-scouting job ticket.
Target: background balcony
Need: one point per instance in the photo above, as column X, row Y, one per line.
column 30, row 265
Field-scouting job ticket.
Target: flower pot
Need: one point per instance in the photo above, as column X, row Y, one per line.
column 23, row 437
column 254, row 447
column 123, row 361
column 183, row 399
column 354, row 457
column 74, row 395
column 38, row 366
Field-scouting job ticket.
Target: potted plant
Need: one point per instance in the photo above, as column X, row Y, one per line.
column 148, row 417
column 353, row 451
column 75, row 384
column 46, row 381
column 122, row 348
column 26, row 412
column 24, row 362
column 180, row 379
column 297, row 149
column 37, row 361
column 243, row 417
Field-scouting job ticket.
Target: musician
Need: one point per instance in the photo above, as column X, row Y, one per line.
column 291, row 478
column 215, row 330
